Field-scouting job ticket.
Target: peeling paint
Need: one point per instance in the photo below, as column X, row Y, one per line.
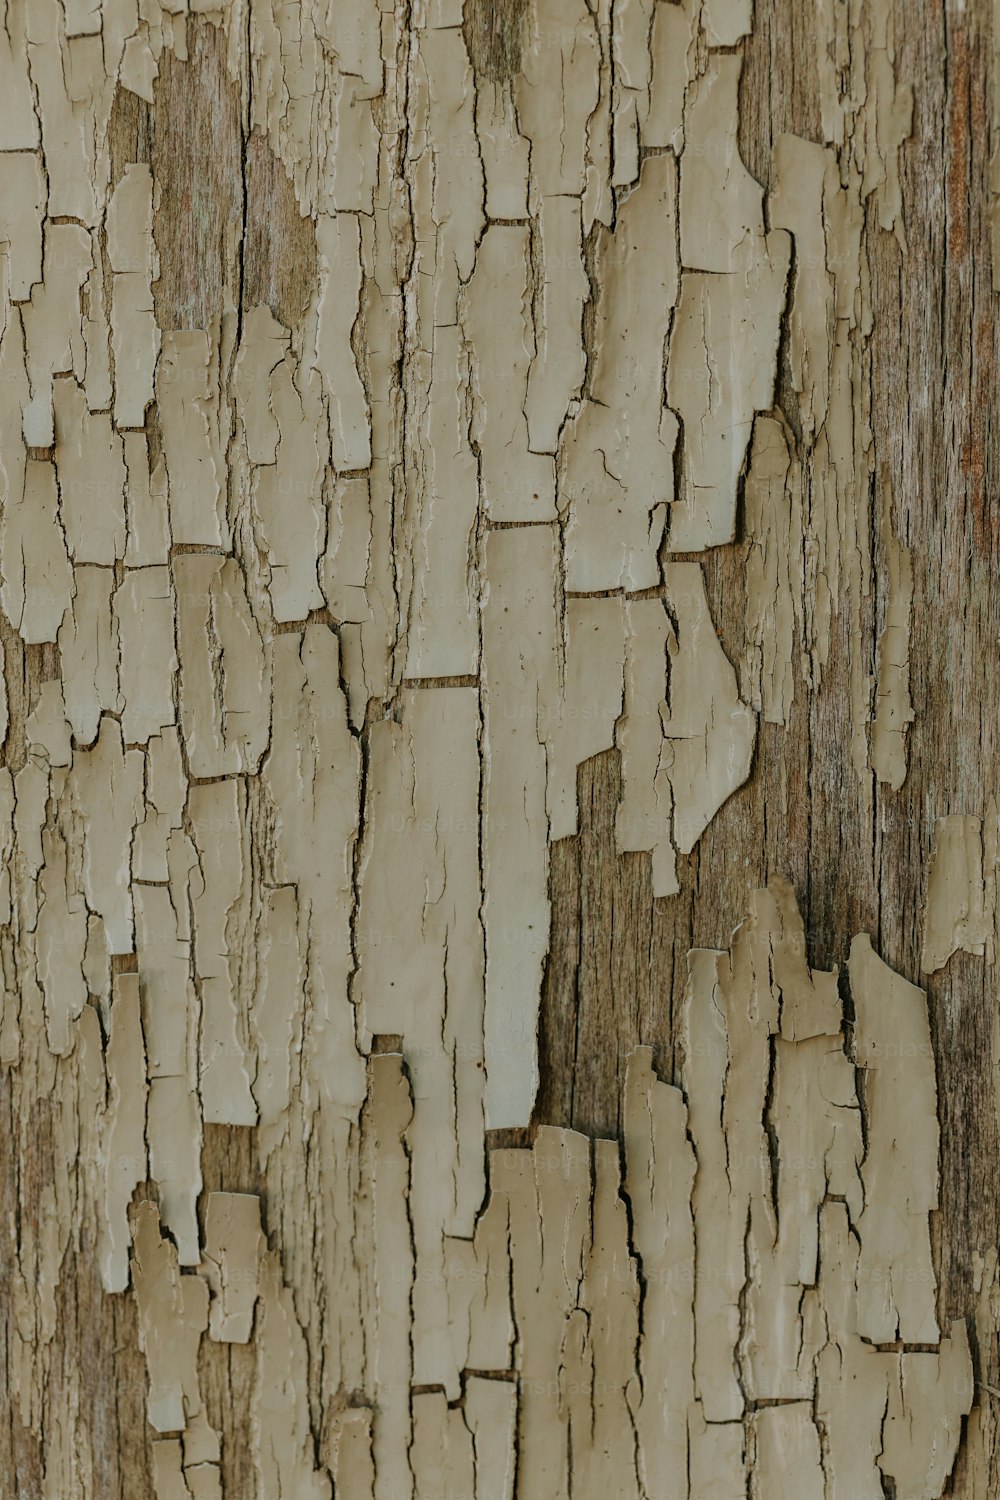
column 344, row 541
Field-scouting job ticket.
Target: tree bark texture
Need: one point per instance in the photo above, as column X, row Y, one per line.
column 499, row 835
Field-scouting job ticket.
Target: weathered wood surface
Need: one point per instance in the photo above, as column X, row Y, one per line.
column 253, row 209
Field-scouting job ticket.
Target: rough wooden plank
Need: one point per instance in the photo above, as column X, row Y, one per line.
column 344, row 349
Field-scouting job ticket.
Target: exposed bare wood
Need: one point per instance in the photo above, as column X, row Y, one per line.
column 498, row 801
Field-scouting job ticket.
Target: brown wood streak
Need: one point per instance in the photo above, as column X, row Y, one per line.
column 197, row 160
column 96, row 1339
column 279, row 252
column 493, row 36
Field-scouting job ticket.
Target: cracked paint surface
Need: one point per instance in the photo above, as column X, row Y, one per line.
column 329, row 586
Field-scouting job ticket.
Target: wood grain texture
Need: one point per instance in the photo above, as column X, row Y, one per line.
column 240, row 225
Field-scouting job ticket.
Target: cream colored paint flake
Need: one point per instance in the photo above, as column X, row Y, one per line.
column 721, row 205
column 125, row 1155
column 53, row 333
column 288, row 494
column 720, row 1223
column 556, row 373
column 517, row 483
column 443, row 634
column 216, row 814
column 560, row 40
column 420, row 868
column 280, row 1437
column 785, row 1441
column 351, row 1454
column 716, row 1458
column 47, row 729
column 927, row 1401
column 723, row 357
column 390, row 1111
column 587, row 713
column 23, row 195
column 168, row 1470
column 6, row 844
column 88, row 652
column 447, row 179
column 105, row 786
column 4, row 702
column 548, row 1191
column 129, row 224
column 37, row 578
column 144, row 622
column 173, row 1313
column 630, row 41
column 339, row 241
column 490, row 1409
column 63, row 87
column 97, row 380
column 145, row 508
column 660, row 1168
column 801, row 202
column 192, row 454
column 311, row 777
column 135, row 341
column 18, row 120
column 164, row 964
column 90, row 470
column 520, row 665
column 892, row 1044
column 164, row 797
column 504, row 151
column 262, row 348
column 481, row 1299
column 278, row 1028
column 644, row 817
column 233, row 1243
column 441, row 1456
column 174, row 1125
column 617, row 457
column 710, row 732
column 224, row 685
column 723, row 348
column 686, row 737
column 955, row 911
column 725, row 21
